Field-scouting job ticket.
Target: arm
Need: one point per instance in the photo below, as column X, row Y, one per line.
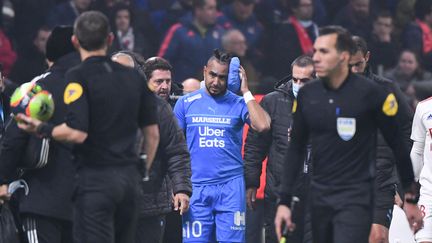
column 151, row 142
column 177, row 157
column 418, row 135
column 259, row 119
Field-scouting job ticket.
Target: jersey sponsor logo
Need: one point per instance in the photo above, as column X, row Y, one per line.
column 211, row 137
column 294, row 106
column 390, row 106
column 72, row 92
column 239, row 221
column 346, row 128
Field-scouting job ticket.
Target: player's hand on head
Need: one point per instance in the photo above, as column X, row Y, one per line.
column 4, row 194
column 283, row 218
column 244, row 81
column 181, row 202
column 27, row 123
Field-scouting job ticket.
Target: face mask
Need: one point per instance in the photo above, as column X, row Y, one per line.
column 295, row 89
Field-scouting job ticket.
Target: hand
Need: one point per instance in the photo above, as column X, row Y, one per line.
column 4, row 195
column 2, row 84
column 244, row 88
column 414, row 216
column 181, row 200
column 27, row 123
column 283, row 215
column 397, row 200
column 251, row 197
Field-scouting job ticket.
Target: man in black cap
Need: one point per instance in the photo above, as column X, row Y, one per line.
column 46, row 212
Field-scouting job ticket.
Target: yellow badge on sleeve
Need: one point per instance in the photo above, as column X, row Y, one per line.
column 390, row 106
column 294, row 106
column 72, row 92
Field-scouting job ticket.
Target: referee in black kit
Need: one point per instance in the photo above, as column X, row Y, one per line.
column 107, row 103
column 339, row 113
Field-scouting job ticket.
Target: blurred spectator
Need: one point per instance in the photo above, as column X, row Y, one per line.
column 404, row 14
column 234, row 42
column 382, row 43
column 272, row 12
column 418, row 34
column 189, row 44
column 176, row 11
column 293, row 38
column 7, row 54
column 127, row 37
column 355, row 17
column 66, row 13
column 408, row 71
column 190, row 85
column 240, row 15
column 108, row 7
column 333, row 7
column 29, row 17
column 31, row 59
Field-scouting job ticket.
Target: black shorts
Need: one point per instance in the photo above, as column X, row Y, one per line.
column 383, row 207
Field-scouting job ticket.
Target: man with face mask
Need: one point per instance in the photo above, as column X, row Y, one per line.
column 278, row 105
column 212, row 119
column 386, row 179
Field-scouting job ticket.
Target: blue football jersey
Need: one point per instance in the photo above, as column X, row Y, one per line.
column 213, row 127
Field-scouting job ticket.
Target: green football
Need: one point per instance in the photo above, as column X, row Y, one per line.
column 31, row 100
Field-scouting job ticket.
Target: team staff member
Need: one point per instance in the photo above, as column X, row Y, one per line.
column 213, row 119
column 46, row 212
column 170, row 173
column 340, row 113
column 386, row 174
column 274, row 143
column 104, row 115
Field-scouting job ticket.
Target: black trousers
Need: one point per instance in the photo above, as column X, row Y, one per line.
column 255, row 222
column 341, row 214
column 43, row 229
column 106, row 204
column 150, row 229
column 173, row 228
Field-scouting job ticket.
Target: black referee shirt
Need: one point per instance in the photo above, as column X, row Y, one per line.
column 109, row 102
column 341, row 125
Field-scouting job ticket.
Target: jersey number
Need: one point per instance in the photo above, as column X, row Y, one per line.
column 196, row 229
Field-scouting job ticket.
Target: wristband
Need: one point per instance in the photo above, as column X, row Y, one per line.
column 45, row 130
column 248, row 97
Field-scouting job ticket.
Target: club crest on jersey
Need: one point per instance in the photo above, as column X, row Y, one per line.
column 390, row 106
column 346, row 128
column 72, row 92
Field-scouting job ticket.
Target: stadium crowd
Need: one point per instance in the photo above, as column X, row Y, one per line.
column 139, row 149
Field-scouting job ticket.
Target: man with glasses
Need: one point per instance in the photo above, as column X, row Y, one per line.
column 278, row 104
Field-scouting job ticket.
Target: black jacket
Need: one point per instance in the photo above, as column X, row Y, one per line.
column 171, row 171
column 273, row 143
column 51, row 187
column 386, row 173
column 4, row 103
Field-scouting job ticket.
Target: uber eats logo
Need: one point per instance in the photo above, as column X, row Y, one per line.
column 211, row 137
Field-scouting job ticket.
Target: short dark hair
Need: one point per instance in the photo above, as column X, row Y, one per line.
column 344, row 41
column 422, row 8
column 221, row 57
column 360, row 45
column 302, row 61
column 119, row 7
column 154, row 63
column 92, row 29
column 383, row 14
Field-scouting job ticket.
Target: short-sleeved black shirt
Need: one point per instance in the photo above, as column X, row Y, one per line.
column 341, row 125
column 110, row 103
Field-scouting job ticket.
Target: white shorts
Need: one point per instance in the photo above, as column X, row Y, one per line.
column 425, row 233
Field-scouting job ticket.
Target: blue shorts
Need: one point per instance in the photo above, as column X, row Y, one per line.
column 216, row 213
